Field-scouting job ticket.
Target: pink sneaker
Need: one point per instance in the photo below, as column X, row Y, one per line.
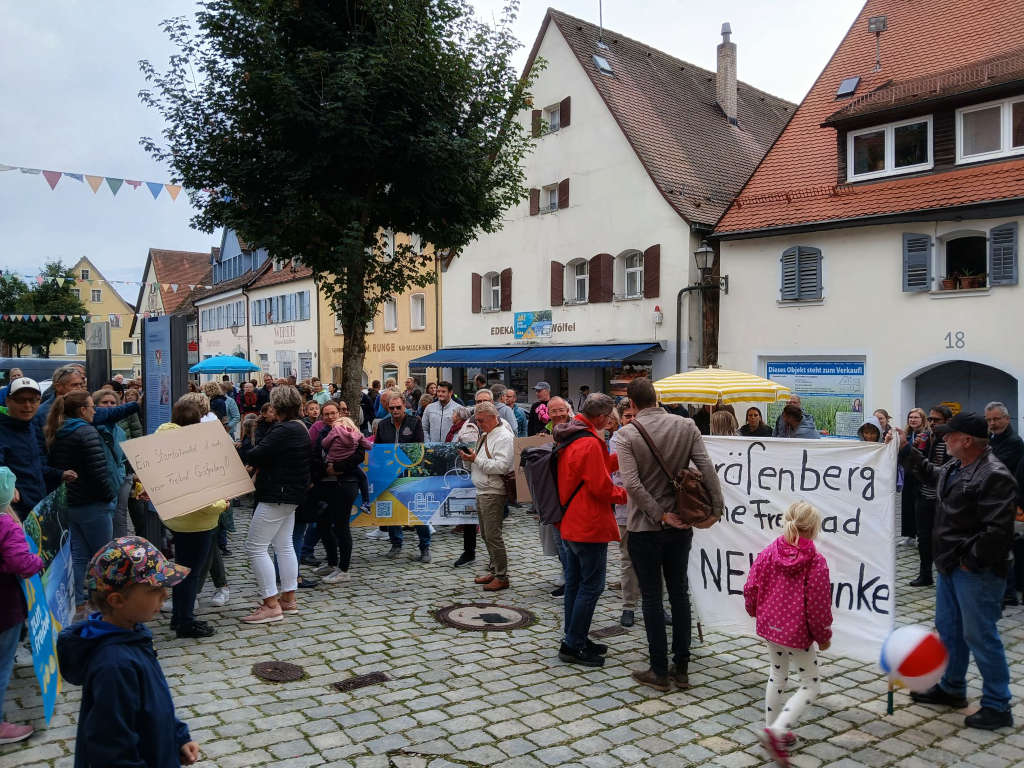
column 289, row 608
column 10, row 733
column 264, row 614
column 775, row 747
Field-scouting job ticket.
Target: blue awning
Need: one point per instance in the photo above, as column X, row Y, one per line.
column 582, row 356
column 549, row 356
column 472, row 357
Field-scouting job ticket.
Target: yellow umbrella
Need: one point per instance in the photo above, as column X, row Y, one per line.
column 709, row 385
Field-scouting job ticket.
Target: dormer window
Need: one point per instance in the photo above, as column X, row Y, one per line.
column 991, row 130
column 889, row 150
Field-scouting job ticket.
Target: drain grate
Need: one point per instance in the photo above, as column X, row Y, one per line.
column 360, row 681
column 482, row 617
column 612, row 631
column 278, row 671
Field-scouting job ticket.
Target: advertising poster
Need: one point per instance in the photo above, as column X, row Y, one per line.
column 156, row 371
column 50, row 595
column 416, row 484
column 532, row 326
column 832, row 392
column 853, row 486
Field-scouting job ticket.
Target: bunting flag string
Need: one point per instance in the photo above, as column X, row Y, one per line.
column 114, row 184
column 114, row 318
column 59, row 281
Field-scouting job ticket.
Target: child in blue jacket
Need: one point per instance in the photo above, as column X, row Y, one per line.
column 127, row 715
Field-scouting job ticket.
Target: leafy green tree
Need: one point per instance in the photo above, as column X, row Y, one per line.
column 317, row 127
column 53, row 296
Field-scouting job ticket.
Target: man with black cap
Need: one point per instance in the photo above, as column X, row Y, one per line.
column 973, row 532
column 538, row 418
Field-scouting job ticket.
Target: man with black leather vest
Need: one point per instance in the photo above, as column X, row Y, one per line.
column 972, row 536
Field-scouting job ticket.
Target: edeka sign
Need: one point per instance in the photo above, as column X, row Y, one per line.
column 157, row 371
column 853, row 486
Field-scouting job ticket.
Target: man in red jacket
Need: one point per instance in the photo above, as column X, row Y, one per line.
column 585, row 487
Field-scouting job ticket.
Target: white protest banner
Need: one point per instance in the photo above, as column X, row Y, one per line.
column 852, row 485
column 187, row 469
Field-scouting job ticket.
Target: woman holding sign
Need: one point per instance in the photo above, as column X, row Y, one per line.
column 281, row 461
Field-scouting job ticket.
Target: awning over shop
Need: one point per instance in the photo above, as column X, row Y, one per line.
column 575, row 356
column 454, row 357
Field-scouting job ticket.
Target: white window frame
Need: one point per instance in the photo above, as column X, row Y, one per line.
column 70, row 347
column 390, row 315
column 573, row 280
column 634, row 270
column 114, row 320
column 96, row 295
column 389, row 371
column 84, row 274
column 549, row 199
column 888, row 129
column 1005, row 131
column 553, row 118
column 77, row 293
column 491, row 300
column 127, row 347
column 418, row 300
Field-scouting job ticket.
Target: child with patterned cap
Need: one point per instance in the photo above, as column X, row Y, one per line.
column 127, row 715
column 788, row 592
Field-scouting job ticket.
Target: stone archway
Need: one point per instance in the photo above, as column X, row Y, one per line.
column 969, row 384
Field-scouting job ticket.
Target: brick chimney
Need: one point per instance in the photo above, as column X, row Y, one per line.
column 725, row 79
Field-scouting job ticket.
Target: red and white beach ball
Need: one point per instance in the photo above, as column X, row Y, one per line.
column 914, row 657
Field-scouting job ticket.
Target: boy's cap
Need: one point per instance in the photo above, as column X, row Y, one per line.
column 131, row 560
column 7, row 481
column 969, row 423
column 541, row 385
column 23, row 383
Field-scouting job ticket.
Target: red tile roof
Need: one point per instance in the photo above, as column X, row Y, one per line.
column 285, row 275
column 669, row 114
column 795, row 184
column 181, row 268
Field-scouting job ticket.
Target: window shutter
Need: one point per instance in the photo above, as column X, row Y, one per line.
column 564, row 113
column 557, row 284
column 810, row 273
column 475, row 292
column 534, row 202
column 563, row 193
column 1002, row 254
column 917, row 262
column 535, row 123
column 790, row 287
column 601, row 278
column 506, row 289
column 652, row 272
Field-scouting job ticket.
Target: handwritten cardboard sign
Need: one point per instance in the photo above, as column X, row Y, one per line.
column 187, row 469
column 521, row 444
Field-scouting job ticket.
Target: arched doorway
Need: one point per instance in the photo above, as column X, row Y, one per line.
column 971, row 385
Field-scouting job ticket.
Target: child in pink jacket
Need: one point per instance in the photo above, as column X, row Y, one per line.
column 787, row 591
column 340, row 443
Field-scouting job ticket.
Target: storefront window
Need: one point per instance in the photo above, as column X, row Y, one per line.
column 520, row 382
column 420, row 374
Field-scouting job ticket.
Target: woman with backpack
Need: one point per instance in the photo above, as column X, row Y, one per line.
column 113, row 435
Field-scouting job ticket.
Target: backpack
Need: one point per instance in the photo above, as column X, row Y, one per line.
column 540, row 464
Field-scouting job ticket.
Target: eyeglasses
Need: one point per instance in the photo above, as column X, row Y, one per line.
column 933, row 418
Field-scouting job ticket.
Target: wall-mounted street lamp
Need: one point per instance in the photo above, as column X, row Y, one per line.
column 704, row 258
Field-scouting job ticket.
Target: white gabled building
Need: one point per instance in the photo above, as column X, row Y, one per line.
column 638, row 155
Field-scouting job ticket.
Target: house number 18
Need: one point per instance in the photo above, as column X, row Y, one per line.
column 956, row 340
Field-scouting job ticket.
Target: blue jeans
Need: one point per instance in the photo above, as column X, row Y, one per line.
column 967, row 607
column 8, row 646
column 92, row 526
column 585, row 564
column 397, row 536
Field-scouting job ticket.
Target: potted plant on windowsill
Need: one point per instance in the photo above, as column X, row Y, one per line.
column 948, row 283
column 970, row 279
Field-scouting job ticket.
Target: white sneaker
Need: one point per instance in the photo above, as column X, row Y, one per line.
column 336, row 577
column 324, row 570
column 220, row 597
column 377, row 534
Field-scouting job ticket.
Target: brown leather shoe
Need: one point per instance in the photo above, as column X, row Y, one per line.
column 649, row 678
column 485, row 579
column 679, row 676
column 495, row 584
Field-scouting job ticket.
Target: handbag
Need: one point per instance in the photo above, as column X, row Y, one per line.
column 509, row 478
column 693, row 503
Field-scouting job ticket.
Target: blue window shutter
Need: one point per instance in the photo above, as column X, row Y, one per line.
column 917, row 262
column 1002, row 254
column 809, row 272
column 790, row 290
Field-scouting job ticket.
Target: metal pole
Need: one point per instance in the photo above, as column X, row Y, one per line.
column 679, row 322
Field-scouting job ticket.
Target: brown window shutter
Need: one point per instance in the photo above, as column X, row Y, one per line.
column 475, row 291
column 564, row 113
column 652, row 272
column 563, row 193
column 557, row 283
column 601, row 278
column 535, row 123
column 534, row 202
column 506, row 289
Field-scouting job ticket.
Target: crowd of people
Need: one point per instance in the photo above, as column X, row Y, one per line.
column 614, row 483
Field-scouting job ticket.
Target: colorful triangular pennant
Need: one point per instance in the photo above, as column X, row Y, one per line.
column 94, row 182
column 155, row 188
column 52, row 177
column 114, row 184
column 173, row 190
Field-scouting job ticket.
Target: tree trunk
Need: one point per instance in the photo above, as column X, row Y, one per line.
column 353, row 310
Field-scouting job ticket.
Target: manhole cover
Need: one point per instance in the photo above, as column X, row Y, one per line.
column 361, row 681
column 612, row 631
column 484, row 616
column 278, row 671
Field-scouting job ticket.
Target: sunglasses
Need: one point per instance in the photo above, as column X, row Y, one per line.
column 932, row 418
column 396, row 408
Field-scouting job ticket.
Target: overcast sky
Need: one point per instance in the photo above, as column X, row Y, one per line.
column 69, row 79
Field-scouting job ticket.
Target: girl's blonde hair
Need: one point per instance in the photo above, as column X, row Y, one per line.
column 346, row 422
column 801, row 520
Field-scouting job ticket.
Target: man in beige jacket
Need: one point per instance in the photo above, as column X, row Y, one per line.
column 659, row 543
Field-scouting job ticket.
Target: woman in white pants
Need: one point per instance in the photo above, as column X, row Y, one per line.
column 281, row 461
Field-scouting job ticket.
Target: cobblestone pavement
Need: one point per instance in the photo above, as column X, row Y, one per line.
column 503, row 699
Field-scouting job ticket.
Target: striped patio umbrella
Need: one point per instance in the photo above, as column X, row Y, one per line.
column 709, row 385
